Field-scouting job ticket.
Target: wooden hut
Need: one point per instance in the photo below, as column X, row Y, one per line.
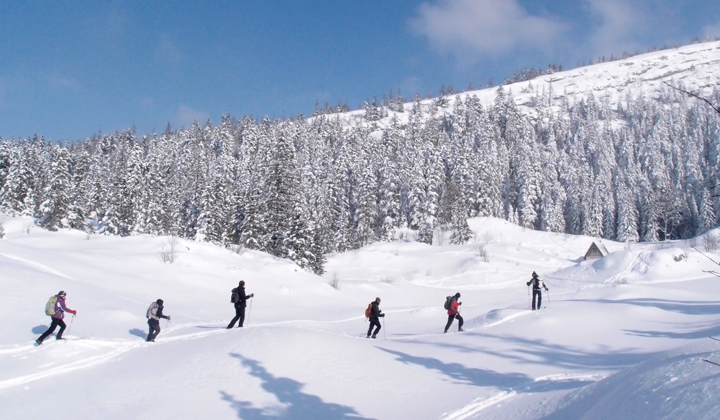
column 596, row 250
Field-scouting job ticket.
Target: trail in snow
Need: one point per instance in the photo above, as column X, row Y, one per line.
column 37, row 265
column 115, row 348
column 118, row 348
column 479, row 405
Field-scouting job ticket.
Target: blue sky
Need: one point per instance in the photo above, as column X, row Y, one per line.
column 69, row 69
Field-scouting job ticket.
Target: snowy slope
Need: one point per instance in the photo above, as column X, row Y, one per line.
column 696, row 67
column 620, row 337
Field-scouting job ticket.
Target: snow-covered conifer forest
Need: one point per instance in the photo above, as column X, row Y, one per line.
column 633, row 160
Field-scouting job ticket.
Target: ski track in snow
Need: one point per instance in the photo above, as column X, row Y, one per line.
column 39, row 266
column 479, row 405
column 117, row 348
column 120, row 347
column 84, row 363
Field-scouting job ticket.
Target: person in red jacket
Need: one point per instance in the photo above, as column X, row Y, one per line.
column 454, row 312
column 57, row 318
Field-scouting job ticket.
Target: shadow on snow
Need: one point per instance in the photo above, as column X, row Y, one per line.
column 487, row 378
column 295, row 404
column 40, row 329
column 539, row 352
column 138, row 333
column 678, row 306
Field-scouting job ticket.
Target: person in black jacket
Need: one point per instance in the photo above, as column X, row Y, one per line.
column 375, row 314
column 538, row 285
column 239, row 299
column 154, row 315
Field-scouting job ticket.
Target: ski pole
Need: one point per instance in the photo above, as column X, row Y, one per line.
column 384, row 335
column 250, row 310
column 70, row 327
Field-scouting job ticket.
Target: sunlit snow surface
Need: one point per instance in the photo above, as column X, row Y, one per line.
column 695, row 68
column 620, row 338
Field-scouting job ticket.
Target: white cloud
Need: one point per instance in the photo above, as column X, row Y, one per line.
column 619, row 25
column 479, row 27
column 186, row 116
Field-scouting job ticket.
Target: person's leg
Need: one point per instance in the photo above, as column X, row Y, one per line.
column 242, row 316
column 157, row 329
column 154, row 329
column 62, row 325
column 460, row 322
column 539, row 299
column 449, row 322
column 377, row 327
column 372, row 324
column 49, row 331
column 237, row 316
column 534, row 299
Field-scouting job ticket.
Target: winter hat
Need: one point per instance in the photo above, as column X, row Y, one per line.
column 457, row 295
column 377, row 299
column 61, row 293
column 159, row 301
column 242, row 283
column 534, row 274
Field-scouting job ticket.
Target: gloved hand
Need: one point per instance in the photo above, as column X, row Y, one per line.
column 169, row 319
column 72, row 312
column 382, row 315
column 547, row 290
column 252, row 295
column 459, row 303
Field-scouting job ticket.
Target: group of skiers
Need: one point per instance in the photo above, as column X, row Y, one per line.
column 56, row 308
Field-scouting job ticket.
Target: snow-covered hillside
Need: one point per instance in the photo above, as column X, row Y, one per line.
column 621, row 337
column 695, row 67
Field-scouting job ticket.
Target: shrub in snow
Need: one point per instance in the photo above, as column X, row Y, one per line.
column 335, row 282
column 169, row 254
column 710, row 242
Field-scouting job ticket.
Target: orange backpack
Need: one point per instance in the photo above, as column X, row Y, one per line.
column 368, row 311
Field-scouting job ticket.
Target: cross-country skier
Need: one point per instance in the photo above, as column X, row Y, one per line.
column 538, row 285
column 154, row 314
column 57, row 318
column 239, row 299
column 375, row 314
column 454, row 312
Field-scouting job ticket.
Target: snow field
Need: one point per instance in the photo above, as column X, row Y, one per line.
column 621, row 337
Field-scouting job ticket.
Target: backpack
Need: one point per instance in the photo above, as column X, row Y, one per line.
column 368, row 311
column 50, row 306
column 235, row 296
column 448, row 302
column 149, row 313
